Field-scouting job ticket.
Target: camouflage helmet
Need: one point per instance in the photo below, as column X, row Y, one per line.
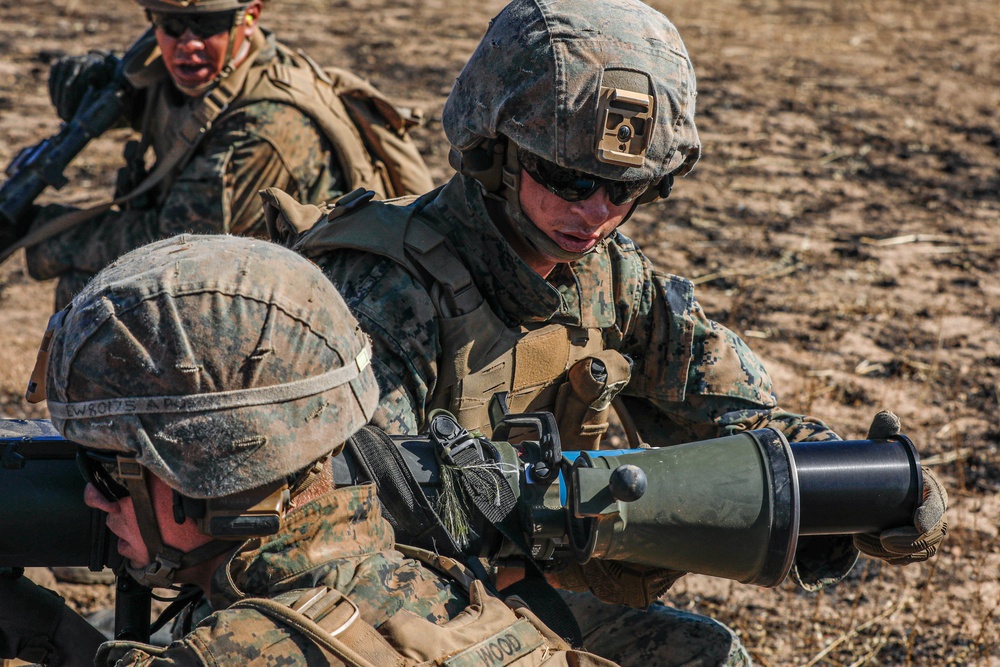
column 222, row 363
column 193, row 6
column 606, row 88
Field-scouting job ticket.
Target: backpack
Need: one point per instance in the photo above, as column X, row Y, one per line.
column 368, row 132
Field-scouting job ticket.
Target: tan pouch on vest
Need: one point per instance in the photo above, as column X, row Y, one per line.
column 584, row 402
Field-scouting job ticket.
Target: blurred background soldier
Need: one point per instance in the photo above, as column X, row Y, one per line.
column 515, row 279
column 208, row 380
column 227, row 110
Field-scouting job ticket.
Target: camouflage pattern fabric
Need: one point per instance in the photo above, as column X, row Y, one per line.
column 693, row 378
column 536, row 75
column 217, row 335
column 259, row 145
column 660, row 636
column 697, row 377
column 339, row 540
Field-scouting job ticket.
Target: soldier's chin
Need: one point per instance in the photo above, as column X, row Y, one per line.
column 126, row 550
column 192, row 78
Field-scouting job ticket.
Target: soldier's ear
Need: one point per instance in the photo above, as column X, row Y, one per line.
column 253, row 12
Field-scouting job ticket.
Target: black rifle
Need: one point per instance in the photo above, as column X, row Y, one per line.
column 731, row 507
column 37, row 167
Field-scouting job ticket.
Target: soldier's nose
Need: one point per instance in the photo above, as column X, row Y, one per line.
column 95, row 499
column 595, row 209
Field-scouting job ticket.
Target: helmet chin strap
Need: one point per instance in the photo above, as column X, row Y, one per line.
column 519, row 223
column 165, row 562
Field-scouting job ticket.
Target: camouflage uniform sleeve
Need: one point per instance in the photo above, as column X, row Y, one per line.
column 704, row 382
column 262, row 145
column 700, row 379
column 398, row 315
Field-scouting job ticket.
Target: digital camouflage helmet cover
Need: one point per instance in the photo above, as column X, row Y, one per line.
column 228, row 367
column 605, row 88
column 192, row 6
column 222, row 363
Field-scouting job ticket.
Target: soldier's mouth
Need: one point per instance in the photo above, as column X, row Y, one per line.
column 575, row 243
column 192, row 70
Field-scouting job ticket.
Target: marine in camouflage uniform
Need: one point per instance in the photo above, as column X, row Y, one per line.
column 254, row 144
column 465, row 294
column 211, row 462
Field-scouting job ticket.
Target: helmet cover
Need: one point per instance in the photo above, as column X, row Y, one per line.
column 606, row 88
column 223, row 363
column 192, row 6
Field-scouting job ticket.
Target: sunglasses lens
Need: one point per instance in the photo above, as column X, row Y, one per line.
column 201, row 25
column 573, row 185
column 101, row 470
column 622, row 192
column 564, row 183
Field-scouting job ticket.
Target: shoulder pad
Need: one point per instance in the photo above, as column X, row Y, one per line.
column 379, row 228
column 285, row 217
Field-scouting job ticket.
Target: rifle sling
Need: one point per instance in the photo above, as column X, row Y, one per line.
column 212, row 105
column 489, row 492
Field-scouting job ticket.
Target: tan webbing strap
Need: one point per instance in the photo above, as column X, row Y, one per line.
column 194, row 129
column 628, row 424
column 443, row 564
column 430, row 250
column 333, row 622
column 470, row 330
column 310, row 94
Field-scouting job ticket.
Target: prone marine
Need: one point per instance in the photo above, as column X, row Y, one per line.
column 208, row 380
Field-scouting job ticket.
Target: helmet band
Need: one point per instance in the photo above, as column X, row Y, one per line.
column 239, row 398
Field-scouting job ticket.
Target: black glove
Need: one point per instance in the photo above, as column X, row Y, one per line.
column 908, row 544
column 71, row 76
column 29, row 615
column 37, row 626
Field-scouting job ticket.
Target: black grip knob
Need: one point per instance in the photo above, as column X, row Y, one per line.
column 627, row 483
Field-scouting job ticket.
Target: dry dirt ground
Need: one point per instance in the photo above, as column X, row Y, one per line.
column 844, row 220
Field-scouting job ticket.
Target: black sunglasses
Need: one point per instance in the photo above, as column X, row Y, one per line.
column 101, row 469
column 201, row 25
column 573, row 185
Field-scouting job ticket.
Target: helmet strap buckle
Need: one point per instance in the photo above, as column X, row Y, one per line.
column 254, row 513
column 483, row 162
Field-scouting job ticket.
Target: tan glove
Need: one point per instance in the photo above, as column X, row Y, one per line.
column 616, row 582
column 908, row 544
